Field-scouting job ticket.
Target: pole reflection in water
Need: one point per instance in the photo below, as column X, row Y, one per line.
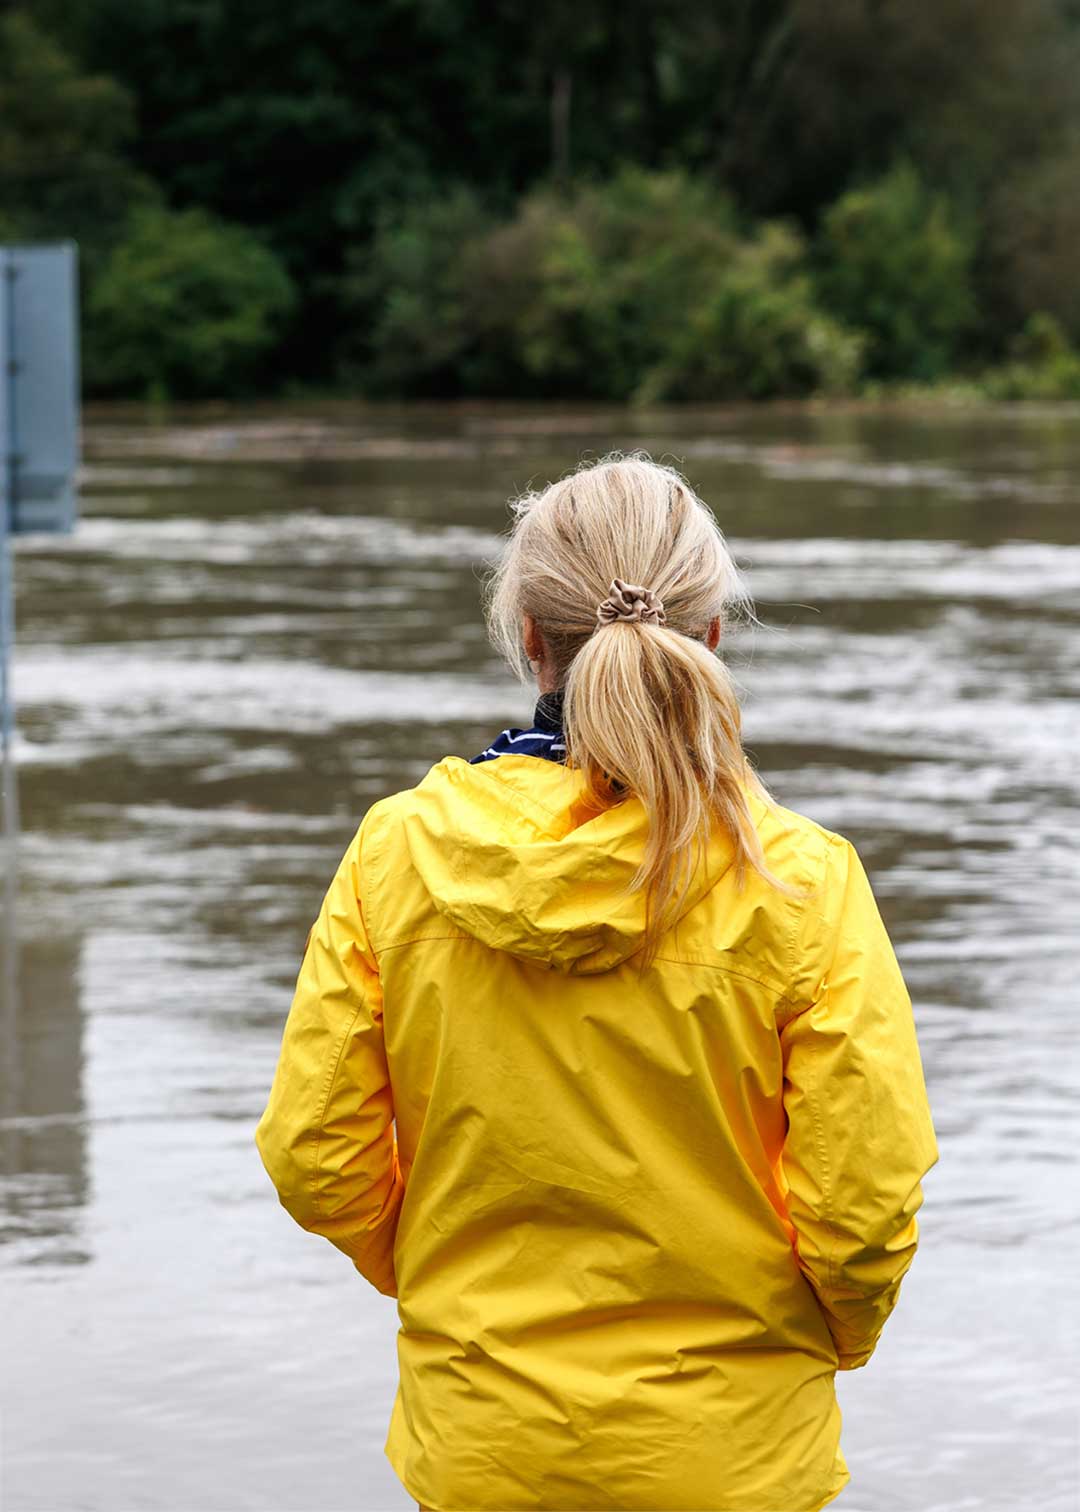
column 43, row 1164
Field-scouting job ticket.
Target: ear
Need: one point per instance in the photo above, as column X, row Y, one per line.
column 533, row 641
column 712, row 635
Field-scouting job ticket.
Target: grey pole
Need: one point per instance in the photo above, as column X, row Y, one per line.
column 8, row 367
column 39, row 440
column 9, row 805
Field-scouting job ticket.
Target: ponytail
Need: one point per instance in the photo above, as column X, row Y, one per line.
column 649, row 710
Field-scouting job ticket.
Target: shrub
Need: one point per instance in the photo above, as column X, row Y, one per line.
column 405, row 300
column 1044, row 365
column 895, row 260
column 570, row 296
column 758, row 333
column 644, row 286
column 185, row 304
column 579, row 295
column 64, row 172
column 1033, row 234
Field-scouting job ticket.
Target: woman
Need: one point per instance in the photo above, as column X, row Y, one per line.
column 660, row 1113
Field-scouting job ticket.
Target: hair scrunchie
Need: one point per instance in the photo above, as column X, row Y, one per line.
column 630, row 601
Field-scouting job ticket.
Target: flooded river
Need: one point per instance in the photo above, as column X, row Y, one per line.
column 268, row 619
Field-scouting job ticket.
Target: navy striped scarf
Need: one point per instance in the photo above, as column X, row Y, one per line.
column 545, row 738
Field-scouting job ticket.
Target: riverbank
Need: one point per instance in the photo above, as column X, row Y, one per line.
column 349, row 428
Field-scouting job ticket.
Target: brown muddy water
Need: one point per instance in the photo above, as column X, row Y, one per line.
column 268, row 619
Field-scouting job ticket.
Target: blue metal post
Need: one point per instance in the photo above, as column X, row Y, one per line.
column 9, row 806
column 39, row 410
column 7, row 696
column 9, row 819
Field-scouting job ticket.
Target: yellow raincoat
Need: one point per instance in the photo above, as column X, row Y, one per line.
column 634, row 1223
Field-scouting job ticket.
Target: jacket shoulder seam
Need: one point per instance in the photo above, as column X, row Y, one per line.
column 672, row 960
column 759, row 981
column 799, row 915
column 375, row 828
column 812, row 1090
column 461, row 934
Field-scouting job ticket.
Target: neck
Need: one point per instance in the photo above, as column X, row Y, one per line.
column 549, row 709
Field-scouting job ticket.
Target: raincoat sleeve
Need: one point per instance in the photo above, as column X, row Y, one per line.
column 327, row 1137
column 860, row 1136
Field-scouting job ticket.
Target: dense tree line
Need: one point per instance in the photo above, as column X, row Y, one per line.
column 634, row 200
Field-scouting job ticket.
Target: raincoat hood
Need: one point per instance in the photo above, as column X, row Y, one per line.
column 512, row 854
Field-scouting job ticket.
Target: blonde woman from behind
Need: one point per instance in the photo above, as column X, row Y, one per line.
column 601, row 1062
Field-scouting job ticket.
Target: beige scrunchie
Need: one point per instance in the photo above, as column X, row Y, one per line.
column 630, row 601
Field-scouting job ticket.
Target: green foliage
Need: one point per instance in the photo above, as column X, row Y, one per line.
column 895, row 261
column 572, row 295
column 786, row 101
column 578, row 293
column 645, row 287
column 184, row 305
column 1033, row 238
column 63, row 173
column 758, row 333
column 969, row 92
column 404, row 298
column 1044, row 365
column 330, row 132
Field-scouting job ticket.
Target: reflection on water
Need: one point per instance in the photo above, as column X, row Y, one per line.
column 266, row 621
column 43, row 1164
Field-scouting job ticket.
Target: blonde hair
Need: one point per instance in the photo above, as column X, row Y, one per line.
column 648, row 709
